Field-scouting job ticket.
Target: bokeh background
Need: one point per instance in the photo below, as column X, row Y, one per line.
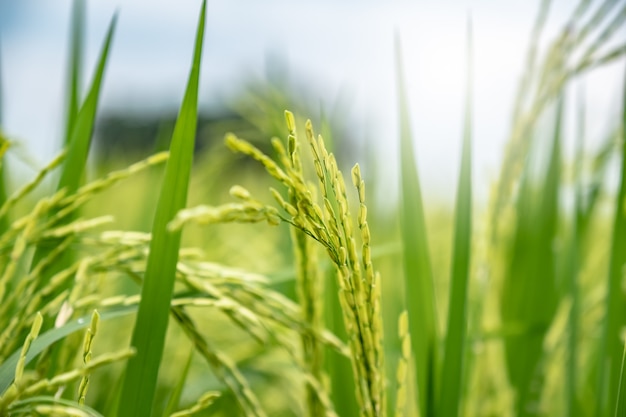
column 335, row 57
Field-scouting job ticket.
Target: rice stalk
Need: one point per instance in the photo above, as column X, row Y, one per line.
column 203, row 402
column 76, row 58
column 4, row 143
column 87, row 353
column 309, row 282
column 453, row 371
column 418, row 276
column 620, row 406
column 222, row 365
column 403, row 364
column 556, row 69
column 614, row 315
column 78, row 146
column 359, row 285
column 139, row 384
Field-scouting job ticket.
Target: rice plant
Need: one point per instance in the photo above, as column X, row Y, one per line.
column 98, row 320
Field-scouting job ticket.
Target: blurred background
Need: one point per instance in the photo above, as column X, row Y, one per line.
column 324, row 60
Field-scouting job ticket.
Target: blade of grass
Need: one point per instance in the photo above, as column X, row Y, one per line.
column 615, row 319
column 78, row 148
column 419, row 290
column 28, row 405
column 4, row 223
column 80, row 141
column 453, row 365
column 148, row 338
column 77, row 35
column 620, row 406
column 1, row 89
column 572, row 269
column 529, row 296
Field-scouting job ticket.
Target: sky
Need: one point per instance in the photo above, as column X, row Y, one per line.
column 333, row 47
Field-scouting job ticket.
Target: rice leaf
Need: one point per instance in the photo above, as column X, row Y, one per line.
column 419, row 290
column 148, row 338
column 529, row 295
column 4, row 223
column 1, row 89
column 453, row 365
column 572, row 271
column 620, row 407
column 77, row 37
column 615, row 319
column 28, row 405
column 79, row 144
column 80, row 140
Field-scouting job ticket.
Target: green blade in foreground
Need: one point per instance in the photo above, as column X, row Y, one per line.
column 140, row 380
column 453, row 364
column 4, row 223
column 574, row 259
column 611, row 349
column 529, row 295
column 419, row 291
column 620, row 407
column 75, row 65
column 80, row 142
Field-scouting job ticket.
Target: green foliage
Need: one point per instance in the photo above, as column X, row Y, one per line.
column 620, row 408
column 303, row 333
column 453, row 370
column 531, row 277
column 75, row 66
column 615, row 313
column 139, row 385
column 420, row 294
column 78, row 146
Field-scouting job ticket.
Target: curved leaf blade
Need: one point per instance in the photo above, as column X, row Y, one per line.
column 139, row 385
column 453, row 363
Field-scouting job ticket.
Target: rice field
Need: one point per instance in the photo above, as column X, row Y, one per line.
column 265, row 280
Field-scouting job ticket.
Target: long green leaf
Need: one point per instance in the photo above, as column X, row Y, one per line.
column 453, row 364
column 620, row 406
column 26, row 406
column 77, row 36
column 420, row 295
column 611, row 349
column 80, row 142
column 4, row 223
column 529, row 295
column 139, row 385
column 572, row 270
